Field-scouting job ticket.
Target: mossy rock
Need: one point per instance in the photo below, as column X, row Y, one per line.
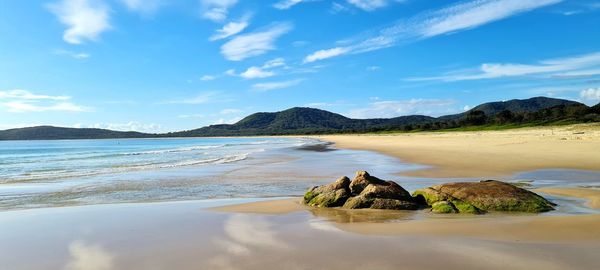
column 327, row 199
column 358, row 202
column 443, row 207
column 464, row 207
column 491, row 195
column 429, row 196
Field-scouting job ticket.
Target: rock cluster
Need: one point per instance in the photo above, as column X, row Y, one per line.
column 366, row 191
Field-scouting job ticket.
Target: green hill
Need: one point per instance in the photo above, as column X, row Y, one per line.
column 299, row 121
column 54, row 133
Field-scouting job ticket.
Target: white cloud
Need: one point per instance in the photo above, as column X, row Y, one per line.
column 20, row 101
column 146, row 7
column 369, row 5
column 24, row 94
column 207, row 78
column 395, row 108
column 253, row 44
column 324, row 54
column 216, row 10
column 453, row 18
column 85, row 19
column 273, row 63
column 256, row 72
column 373, row 68
column 287, row 4
column 574, row 66
column 275, row 85
column 231, row 29
column 591, row 94
column 75, row 55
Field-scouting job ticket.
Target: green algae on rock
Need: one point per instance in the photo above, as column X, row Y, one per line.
column 487, row 195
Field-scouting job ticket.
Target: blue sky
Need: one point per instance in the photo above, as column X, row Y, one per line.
column 159, row 65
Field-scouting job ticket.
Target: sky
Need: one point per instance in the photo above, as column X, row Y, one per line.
column 159, row 65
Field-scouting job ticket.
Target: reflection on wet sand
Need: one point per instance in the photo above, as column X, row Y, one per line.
column 84, row 256
column 362, row 215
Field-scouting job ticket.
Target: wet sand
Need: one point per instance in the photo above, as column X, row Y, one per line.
column 591, row 195
column 499, row 227
column 187, row 235
column 486, row 153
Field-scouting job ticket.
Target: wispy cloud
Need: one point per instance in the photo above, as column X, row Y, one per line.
column 573, row 66
column 145, row 7
column 256, row 72
column 395, row 108
column 85, row 19
column 452, row 19
column 268, row 86
column 203, row 98
column 207, row 78
column 21, row 101
column 216, row 10
column 253, row 44
column 231, row 29
column 287, row 4
column 264, row 71
column 370, row 5
column 327, row 53
column 74, row 55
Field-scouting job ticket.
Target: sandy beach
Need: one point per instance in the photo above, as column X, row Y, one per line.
column 486, row 153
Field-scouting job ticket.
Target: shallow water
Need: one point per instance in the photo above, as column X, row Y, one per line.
column 75, row 172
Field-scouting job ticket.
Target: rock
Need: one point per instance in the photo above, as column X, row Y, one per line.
column 443, row 207
column 332, row 195
column 382, row 195
column 488, row 195
column 361, row 181
column 374, row 193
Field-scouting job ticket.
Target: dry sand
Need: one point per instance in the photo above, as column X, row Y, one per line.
column 486, row 153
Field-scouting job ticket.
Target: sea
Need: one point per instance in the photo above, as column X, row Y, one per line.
column 54, row 173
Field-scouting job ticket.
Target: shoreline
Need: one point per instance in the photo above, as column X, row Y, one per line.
column 477, row 154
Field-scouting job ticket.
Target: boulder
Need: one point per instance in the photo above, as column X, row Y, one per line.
column 487, row 195
column 382, row 195
column 361, row 181
column 331, row 195
column 364, row 191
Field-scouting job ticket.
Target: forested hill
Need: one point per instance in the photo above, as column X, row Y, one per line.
column 56, row 133
column 300, row 121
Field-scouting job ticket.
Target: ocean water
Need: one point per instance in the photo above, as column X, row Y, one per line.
column 75, row 172
column 36, row 174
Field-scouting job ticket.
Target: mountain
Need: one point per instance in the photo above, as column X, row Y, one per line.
column 54, row 133
column 515, row 106
column 301, row 121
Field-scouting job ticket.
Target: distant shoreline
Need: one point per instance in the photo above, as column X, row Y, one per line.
column 480, row 154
